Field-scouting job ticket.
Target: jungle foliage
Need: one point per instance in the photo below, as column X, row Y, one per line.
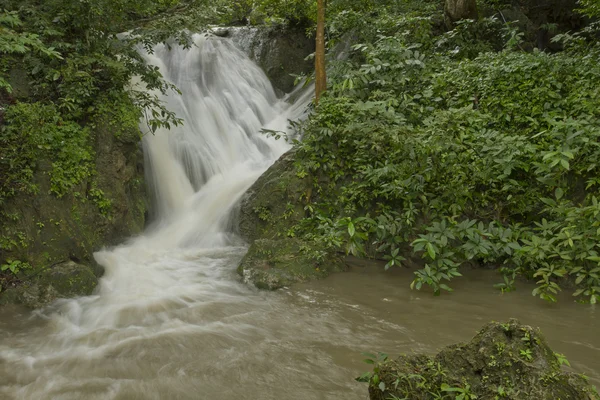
column 459, row 148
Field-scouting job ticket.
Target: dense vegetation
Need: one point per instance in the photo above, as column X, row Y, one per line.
column 458, row 147
column 70, row 68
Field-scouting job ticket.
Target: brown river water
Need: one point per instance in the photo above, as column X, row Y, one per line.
column 299, row 343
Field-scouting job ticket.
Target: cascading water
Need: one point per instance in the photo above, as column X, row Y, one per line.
column 197, row 173
column 170, row 319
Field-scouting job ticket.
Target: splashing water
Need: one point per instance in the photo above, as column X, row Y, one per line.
column 197, row 174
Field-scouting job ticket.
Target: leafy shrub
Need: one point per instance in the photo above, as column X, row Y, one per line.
column 488, row 157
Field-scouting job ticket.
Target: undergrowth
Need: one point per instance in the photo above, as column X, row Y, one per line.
column 457, row 147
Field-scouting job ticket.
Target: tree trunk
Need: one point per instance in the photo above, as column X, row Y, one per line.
column 456, row 10
column 320, row 75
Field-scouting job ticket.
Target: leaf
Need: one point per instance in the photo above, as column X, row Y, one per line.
column 558, row 193
column 446, row 287
column 351, row 229
column 430, row 251
column 382, row 386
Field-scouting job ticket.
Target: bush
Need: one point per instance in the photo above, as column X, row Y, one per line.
column 486, row 156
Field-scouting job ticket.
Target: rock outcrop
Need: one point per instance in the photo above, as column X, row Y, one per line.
column 280, row 52
column 503, row 361
column 55, row 237
column 269, row 211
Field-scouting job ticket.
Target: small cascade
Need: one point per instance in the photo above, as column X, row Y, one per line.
column 197, row 174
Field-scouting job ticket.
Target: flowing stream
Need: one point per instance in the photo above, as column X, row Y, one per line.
column 171, row 319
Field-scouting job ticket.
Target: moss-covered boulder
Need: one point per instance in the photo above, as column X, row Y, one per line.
column 273, row 264
column 269, row 211
column 275, row 202
column 68, row 279
column 503, row 361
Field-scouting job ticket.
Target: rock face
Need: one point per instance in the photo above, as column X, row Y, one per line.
column 503, row 361
column 269, row 210
column 456, row 10
column 67, row 279
column 279, row 52
column 56, row 236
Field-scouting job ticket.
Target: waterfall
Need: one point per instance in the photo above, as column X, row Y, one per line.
column 198, row 171
column 185, row 260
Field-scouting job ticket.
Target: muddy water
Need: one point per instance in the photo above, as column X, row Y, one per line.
column 300, row 343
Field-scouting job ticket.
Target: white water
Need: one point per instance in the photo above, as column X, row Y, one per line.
column 197, row 174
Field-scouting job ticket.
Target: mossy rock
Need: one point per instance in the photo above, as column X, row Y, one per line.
column 273, row 264
column 42, row 229
column 269, row 211
column 275, row 202
column 63, row 280
column 507, row 361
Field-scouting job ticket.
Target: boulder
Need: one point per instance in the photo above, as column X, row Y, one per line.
column 273, row 264
column 269, row 210
column 67, row 279
column 503, row 361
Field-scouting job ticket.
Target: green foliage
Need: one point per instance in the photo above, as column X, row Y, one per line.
column 295, row 12
column 342, row 15
column 14, row 266
column 19, row 43
column 77, row 72
column 36, row 132
column 590, row 8
column 459, row 148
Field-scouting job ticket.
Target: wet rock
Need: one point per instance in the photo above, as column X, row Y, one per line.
column 503, row 361
column 280, row 52
column 269, row 210
column 273, row 264
column 275, row 202
column 63, row 280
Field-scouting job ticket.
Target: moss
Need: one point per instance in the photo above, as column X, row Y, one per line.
column 274, row 203
column 269, row 211
column 490, row 366
column 69, row 279
column 61, row 280
column 101, row 210
column 273, row 264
